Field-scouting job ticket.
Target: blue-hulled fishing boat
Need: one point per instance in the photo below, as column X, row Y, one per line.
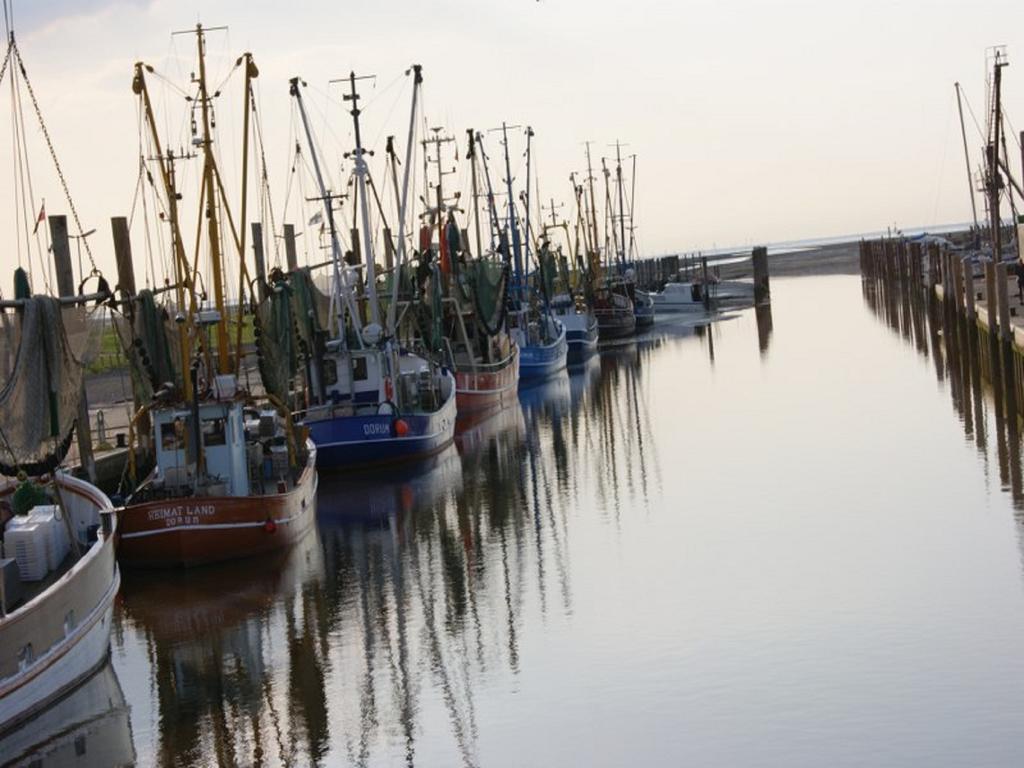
column 373, row 401
column 540, row 336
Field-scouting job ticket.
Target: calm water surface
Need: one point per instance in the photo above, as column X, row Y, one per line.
column 721, row 547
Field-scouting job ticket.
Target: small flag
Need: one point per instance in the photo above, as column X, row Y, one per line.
column 316, row 219
column 40, row 218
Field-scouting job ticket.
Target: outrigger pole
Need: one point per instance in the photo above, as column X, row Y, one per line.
column 967, row 156
column 417, row 81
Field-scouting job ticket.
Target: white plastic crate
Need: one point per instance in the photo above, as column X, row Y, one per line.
column 26, row 541
column 57, row 544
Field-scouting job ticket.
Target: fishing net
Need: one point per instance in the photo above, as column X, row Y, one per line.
column 548, row 272
column 275, row 340
column 43, row 351
column 487, row 281
column 151, row 343
column 310, row 307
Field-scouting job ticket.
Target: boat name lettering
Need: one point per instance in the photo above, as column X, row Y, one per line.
column 182, row 514
column 376, row 429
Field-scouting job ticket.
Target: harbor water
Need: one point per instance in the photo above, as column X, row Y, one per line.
column 767, row 542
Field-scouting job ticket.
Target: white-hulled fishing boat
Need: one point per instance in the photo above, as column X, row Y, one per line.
column 57, row 631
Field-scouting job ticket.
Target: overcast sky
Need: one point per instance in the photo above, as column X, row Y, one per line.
column 752, row 121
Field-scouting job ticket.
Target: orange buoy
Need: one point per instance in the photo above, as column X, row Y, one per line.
column 401, row 427
column 270, row 526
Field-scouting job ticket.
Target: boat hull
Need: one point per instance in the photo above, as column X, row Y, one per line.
column 538, row 361
column 347, row 441
column 615, row 323
column 198, row 530
column 62, row 658
column 643, row 309
column 487, row 387
column 580, row 336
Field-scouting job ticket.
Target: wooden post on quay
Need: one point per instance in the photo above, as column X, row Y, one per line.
column 126, row 285
column 968, row 278
column 957, row 273
column 123, row 254
column 258, row 257
column 289, row 247
column 1005, row 331
column 991, row 300
column 66, row 287
column 762, row 290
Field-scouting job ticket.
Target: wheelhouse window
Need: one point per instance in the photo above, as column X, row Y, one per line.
column 359, row 369
column 213, row 432
column 172, row 435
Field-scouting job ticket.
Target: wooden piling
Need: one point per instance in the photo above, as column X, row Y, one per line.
column 66, row 287
column 258, row 257
column 991, row 300
column 289, row 247
column 123, row 255
column 968, row 279
column 762, row 290
column 1005, row 330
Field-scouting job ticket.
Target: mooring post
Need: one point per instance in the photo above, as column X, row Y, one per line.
column 126, row 284
column 991, row 302
column 258, row 257
column 968, row 273
column 958, row 283
column 289, row 247
column 66, row 287
column 762, row 291
column 1002, row 291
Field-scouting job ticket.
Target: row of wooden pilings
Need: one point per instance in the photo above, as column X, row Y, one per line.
column 950, row 275
column 977, row 308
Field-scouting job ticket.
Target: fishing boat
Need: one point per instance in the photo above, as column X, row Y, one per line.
column 581, row 326
column 473, row 314
column 614, row 310
column 377, row 401
column 643, row 302
column 537, row 332
column 58, row 583
column 644, row 308
column 681, row 297
column 232, row 475
column 58, row 594
column 58, row 574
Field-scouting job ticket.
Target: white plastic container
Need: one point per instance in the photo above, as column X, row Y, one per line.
column 57, row 543
column 27, row 542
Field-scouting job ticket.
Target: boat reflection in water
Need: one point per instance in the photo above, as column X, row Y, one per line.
column 235, row 662
column 372, row 640
column 88, row 727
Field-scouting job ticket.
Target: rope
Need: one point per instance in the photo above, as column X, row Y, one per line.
column 53, row 154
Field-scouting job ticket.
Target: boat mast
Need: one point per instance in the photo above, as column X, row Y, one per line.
column 632, row 202
column 593, row 206
column 492, row 207
column 967, row 156
column 403, row 206
column 526, row 199
column 621, row 248
column 471, row 156
column 182, row 280
column 328, row 201
column 609, row 210
column 213, row 225
column 513, row 226
column 361, row 171
column 993, row 155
